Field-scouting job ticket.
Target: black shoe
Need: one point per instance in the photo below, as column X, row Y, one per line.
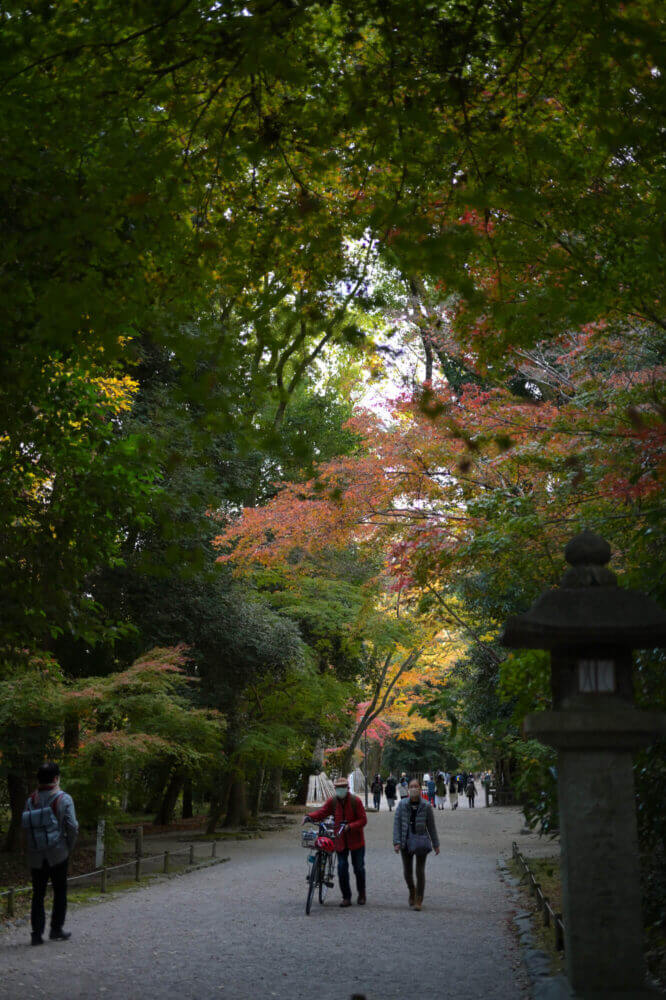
column 60, row 935
column 361, row 899
column 36, row 939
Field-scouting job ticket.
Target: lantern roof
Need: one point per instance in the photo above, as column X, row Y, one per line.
column 588, row 608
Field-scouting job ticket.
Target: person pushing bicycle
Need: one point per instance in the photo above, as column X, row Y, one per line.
column 349, row 818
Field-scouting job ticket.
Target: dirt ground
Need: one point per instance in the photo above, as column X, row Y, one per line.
column 239, row 930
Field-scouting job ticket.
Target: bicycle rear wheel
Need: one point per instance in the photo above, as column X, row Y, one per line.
column 312, row 883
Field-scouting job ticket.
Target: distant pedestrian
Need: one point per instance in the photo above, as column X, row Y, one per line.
column 461, row 784
column 377, row 788
column 440, row 791
column 403, row 790
column 453, row 792
column 414, row 836
column 470, row 791
column 390, row 791
column 431, row 787
column 50, row 830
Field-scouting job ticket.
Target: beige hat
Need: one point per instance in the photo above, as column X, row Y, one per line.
column 341, row 783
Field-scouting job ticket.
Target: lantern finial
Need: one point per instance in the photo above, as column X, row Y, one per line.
column 587, row 549
column 587, row 554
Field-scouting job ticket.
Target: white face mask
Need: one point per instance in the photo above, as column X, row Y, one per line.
column 341, row 792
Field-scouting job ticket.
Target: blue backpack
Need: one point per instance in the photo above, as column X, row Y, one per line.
column 42, row 821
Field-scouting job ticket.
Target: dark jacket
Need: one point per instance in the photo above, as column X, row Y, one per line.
column 425, row 821
column 389, row 791
column 348, row 810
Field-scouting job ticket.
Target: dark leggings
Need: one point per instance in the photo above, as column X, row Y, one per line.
column 408, row 870
column 40, row 880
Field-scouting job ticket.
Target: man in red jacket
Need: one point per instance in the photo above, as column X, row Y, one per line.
column 350, row 818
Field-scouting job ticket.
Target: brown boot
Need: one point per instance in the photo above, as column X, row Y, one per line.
column 346, row 902
column 412, row 896
column 418, row 901
column 361, row 899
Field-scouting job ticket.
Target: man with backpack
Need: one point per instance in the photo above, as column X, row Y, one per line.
column 50, row 830
column 350, row 818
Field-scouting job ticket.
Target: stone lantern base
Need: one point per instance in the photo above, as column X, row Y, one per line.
column 599, row 843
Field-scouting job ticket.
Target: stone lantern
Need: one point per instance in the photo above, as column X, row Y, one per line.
column 590, row 626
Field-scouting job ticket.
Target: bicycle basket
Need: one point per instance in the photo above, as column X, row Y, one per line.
column 308, row 838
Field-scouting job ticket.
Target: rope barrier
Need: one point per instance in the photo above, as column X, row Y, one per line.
column 548, row 914
column 102, row 873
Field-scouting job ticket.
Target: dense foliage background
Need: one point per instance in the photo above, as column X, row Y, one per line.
column 325, row 327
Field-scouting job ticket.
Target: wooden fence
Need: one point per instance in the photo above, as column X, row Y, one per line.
column 137, row 863
column 548, row 915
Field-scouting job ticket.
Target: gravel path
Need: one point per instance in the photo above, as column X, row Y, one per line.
column 239, row 931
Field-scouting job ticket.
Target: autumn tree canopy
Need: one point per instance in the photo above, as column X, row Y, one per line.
column 325, row 327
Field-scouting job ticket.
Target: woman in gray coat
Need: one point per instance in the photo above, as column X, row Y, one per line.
column 414, row 818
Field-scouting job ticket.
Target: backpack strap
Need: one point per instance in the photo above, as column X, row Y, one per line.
column 53, row 803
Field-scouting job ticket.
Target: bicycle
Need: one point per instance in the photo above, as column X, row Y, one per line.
column 320, row 876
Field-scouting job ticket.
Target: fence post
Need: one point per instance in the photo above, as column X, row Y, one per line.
column 166, row 862
column 103, row 879
column 100, row 853
column 191, row 854
column 139, row 841
column 137, row 869
column 10, row 903
column 546, row 911
column 559, row 932
column 213, row 851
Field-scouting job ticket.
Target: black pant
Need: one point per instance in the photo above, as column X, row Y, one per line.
column 40, row 880
column 408, row 870
column 358, row 864
column 378, row 801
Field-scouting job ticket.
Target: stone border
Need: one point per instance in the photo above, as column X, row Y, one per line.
column 545, row 986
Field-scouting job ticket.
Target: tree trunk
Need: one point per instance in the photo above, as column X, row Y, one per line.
column 255, row 798
column 17, row 787
column 219, row 798
column 237, row 814
column 188, row 811
column 301, row 796
column 71, row 735
column 273, row 790
column 168, row 805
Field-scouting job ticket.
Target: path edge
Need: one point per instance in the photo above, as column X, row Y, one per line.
column 544, row 985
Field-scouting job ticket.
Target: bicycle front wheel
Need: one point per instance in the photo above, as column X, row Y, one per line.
column 324, row 877
column 312, row 883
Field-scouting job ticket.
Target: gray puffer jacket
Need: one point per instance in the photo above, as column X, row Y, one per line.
column 425, row 821
column 67, row 822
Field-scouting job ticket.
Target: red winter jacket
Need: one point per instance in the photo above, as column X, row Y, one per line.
column 348, row 810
